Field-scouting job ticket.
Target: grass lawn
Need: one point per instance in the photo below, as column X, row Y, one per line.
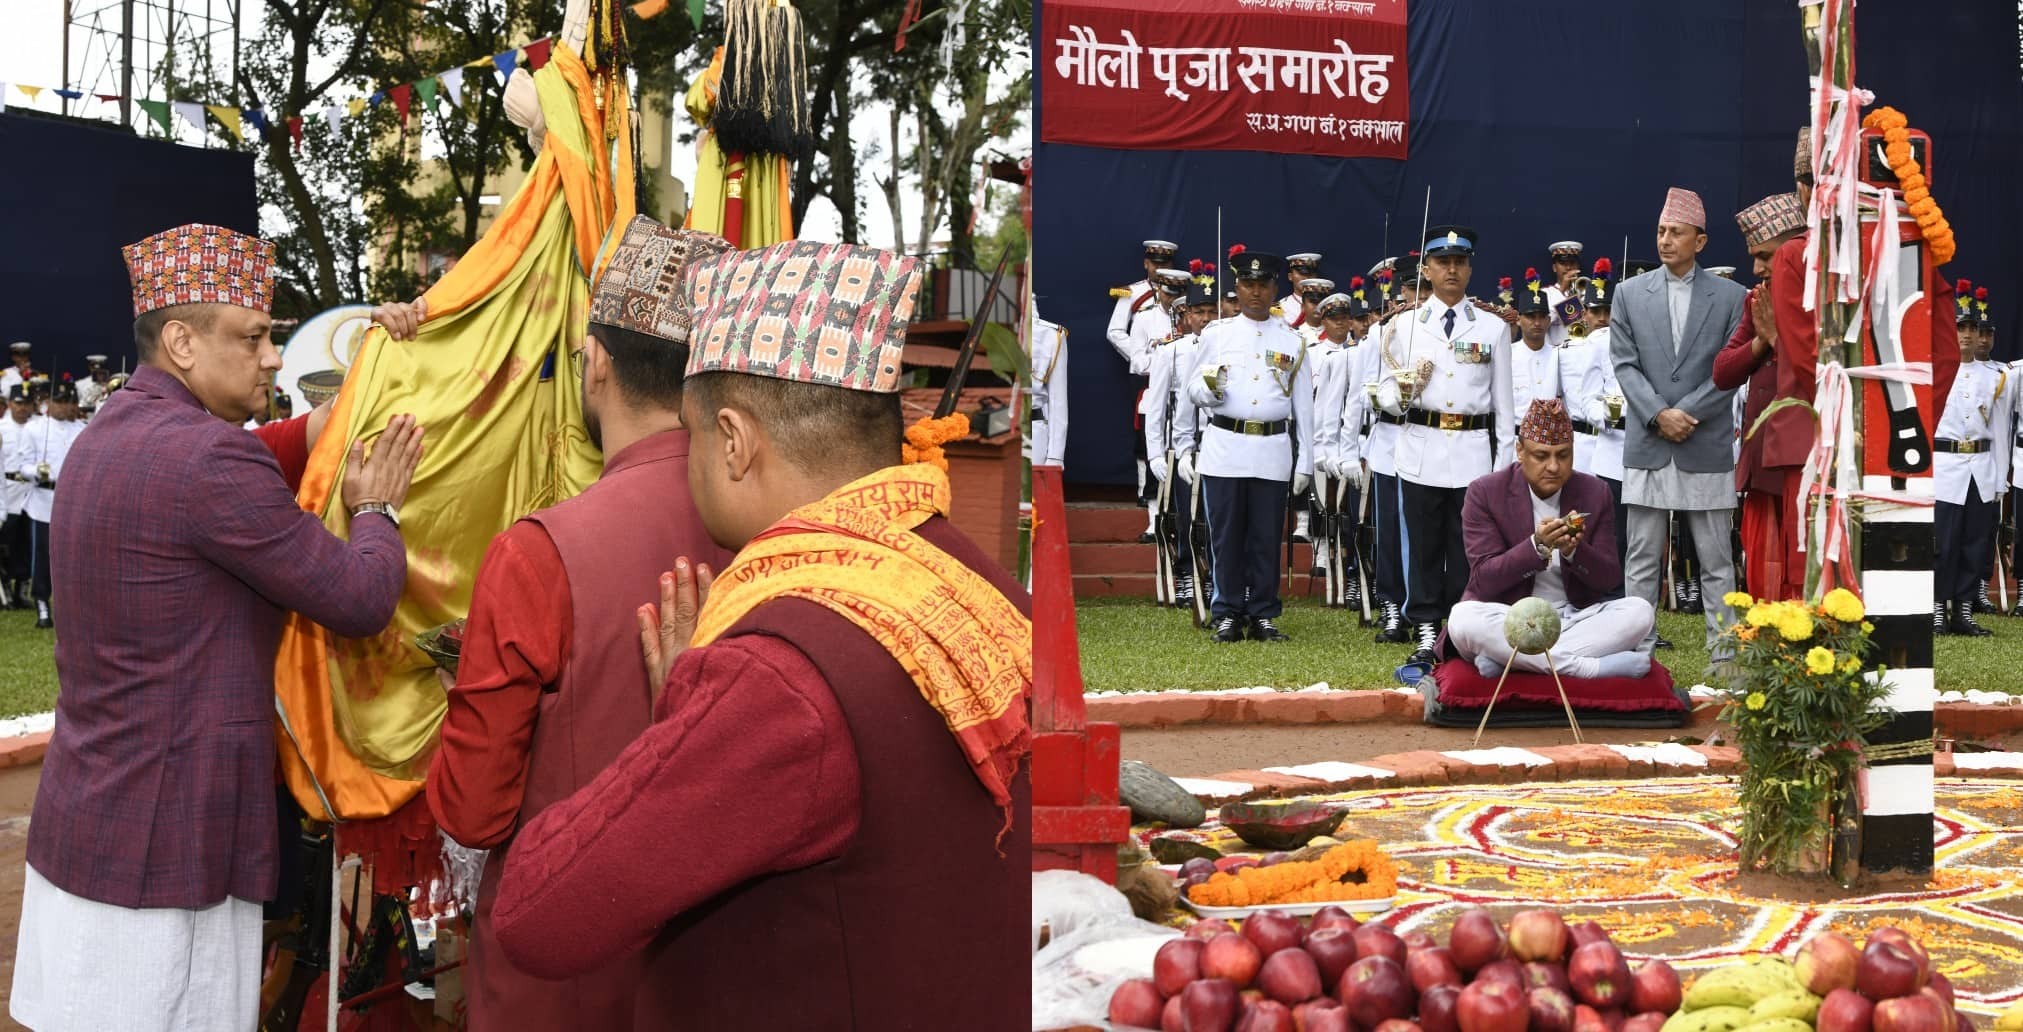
column 28, row 659
column 1980, row 664
column 1132, row 645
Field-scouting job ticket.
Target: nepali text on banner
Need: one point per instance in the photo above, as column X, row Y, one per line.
column 1285, row 76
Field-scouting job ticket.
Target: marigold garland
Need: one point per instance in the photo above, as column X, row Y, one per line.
column 926, row 436
column 1305, row 881
column 1916, row 190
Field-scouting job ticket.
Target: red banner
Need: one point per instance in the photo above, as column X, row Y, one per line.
column 1285, row 76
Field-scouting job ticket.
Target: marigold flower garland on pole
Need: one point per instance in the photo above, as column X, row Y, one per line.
column 1917, row 193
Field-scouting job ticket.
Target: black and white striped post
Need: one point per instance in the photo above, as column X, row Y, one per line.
column 1896, row 589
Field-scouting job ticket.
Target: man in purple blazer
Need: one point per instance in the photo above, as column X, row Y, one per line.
column 181, row 551
column 1522, row 540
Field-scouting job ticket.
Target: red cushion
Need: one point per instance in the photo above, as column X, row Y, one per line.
column 1464, row 686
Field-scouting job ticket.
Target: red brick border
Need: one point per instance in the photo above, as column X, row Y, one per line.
column 22, row 750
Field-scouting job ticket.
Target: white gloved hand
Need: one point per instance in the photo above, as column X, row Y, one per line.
column 1300, row 483
column 1353, row 473
column 1158, row 470
column 1186, row 466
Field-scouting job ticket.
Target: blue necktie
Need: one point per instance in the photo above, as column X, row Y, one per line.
column 1450, row 323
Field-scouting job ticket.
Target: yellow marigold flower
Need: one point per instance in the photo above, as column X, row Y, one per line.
column 1795, row 625
column 1843, row 605
column 1761, row 615
column 1867, row 628
column 1853, row 664
column 1819, row 660
column 1737, row 600
column 1755, row 701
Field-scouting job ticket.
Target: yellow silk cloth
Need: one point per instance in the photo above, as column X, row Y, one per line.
column 966, row 646
column 503, row 439
column 765, row 188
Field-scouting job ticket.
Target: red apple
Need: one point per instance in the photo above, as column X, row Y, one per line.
column 1266, row 1016
column 1538, row 935
column 1914, row 1013
column 1417, row 940
column 1600, row 975
column 1210, row 1005
column 1915, row 950
column 1650, row 1022
column 1492, row 1006
column 1586, row 932
column 1322, row 1015
column 1548, row 976
column 1942, row 985
column 1588, row 1019
column 1436, row 1009
column 1231, row 957
column 1655, row 989
column 1208, row 928
column 1375, row 990
column 1272, row 931
column 1375, row 940
column 1476, row 940
column 1509, row 972
column 1333, row 949
column 1177, row 963
column 1551, row 1010
column 1430, row 967
column 1886, row 972
column 1827, row 962
column 1399, row 1025
column 1290, row 976
column 1845, row 1010
column 1330, row 916
column 1137, row 1004
column 1172, row 1019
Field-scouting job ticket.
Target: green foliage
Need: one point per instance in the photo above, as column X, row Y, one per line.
column 1800, row 704
column 29, row 657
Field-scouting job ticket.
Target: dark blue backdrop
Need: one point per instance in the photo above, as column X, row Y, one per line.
column 71, row 195
column 1534, row 122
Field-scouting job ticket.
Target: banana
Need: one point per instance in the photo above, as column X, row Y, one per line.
column 1778, row 1025
column 1710, row 1019
column 1791, row 1003
column 1782, row 967
column 1737, row 985
column 2010, row 1020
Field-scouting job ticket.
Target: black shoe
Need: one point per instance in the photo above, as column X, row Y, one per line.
column 1228, row 630
column 1679, row 595
column 1661, row 643
column 1265, row 630
column 1394, row 625
column 43, row 621
column 1963, row 623
column 1183, row 590
column 1425, row 636
column 1352, row 594
column 1940, row 617
column 1147, row 538
column 1693, row 604
column 1982, row 604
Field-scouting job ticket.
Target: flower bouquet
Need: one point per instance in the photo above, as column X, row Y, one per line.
column 1800, row 705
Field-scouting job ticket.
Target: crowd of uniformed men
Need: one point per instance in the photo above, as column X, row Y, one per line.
column 1355, row 411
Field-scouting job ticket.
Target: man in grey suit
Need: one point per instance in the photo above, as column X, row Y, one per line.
column 1678, row 452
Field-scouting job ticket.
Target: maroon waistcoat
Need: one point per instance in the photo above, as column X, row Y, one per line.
column 920, row 923
column 615, row 539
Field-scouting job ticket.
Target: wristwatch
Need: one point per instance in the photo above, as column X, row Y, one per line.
column 383, row 508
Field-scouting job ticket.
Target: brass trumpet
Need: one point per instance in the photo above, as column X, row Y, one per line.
column 1578, row 330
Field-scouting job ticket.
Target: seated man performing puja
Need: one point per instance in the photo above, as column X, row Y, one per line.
column 1540, row 528
column 822, row 827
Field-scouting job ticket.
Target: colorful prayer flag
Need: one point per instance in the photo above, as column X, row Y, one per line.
column 453, row 84
column 402, row 95
column 228, row 116
column 356, row 107
column 191, row 112
column 258, row 118
column 537, row 54
column 158, row 111
column 32, row 91
column 295, row 131
column 505, row 62
column 70, row 94
column 426, row 89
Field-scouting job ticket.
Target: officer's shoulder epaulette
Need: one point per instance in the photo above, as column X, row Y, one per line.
column 1120, row 292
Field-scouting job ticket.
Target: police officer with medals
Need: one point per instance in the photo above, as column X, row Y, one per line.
column 1968, row 453
column 1254, row 384
column 1452, row 387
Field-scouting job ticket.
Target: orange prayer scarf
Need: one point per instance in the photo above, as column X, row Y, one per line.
column 965, row 645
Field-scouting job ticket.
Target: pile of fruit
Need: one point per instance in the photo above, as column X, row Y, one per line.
column 1886, row 986
column 1276, row 974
